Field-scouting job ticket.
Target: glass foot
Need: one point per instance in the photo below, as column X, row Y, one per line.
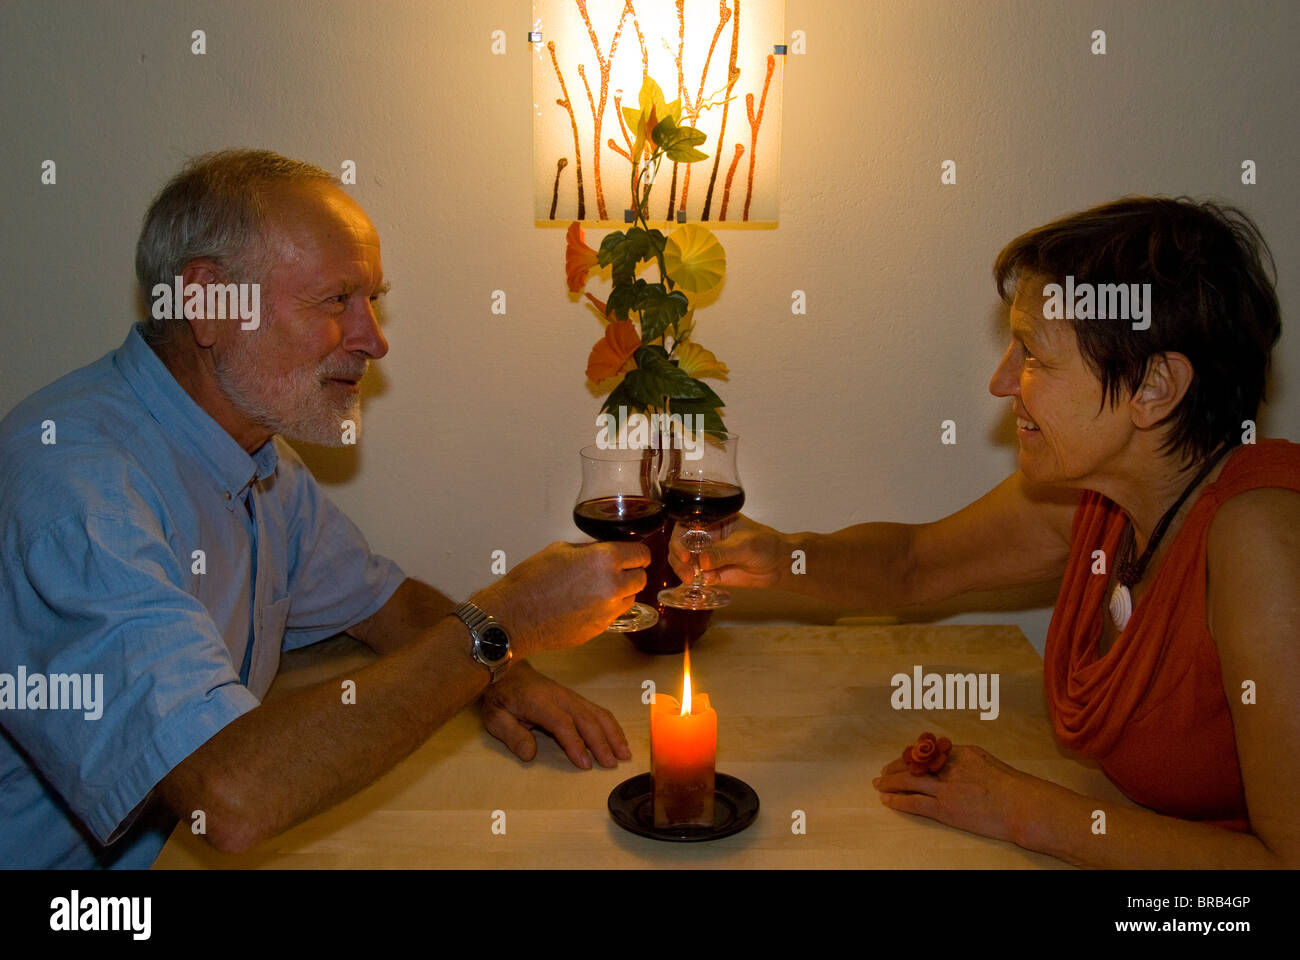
column 688, row 597
column 638, row 617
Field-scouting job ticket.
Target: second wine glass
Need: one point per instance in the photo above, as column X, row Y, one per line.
column 699, row 493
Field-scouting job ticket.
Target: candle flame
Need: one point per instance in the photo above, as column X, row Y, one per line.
column 686, row 684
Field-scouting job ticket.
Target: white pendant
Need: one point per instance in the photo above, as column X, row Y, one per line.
column 1121, row 606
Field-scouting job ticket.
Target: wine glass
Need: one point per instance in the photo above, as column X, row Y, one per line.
column 699, row 492
column 619, row 500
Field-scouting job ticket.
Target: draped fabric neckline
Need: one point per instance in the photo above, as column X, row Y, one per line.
column 1152, row 708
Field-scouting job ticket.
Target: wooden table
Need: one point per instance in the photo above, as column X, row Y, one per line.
column 804, row 718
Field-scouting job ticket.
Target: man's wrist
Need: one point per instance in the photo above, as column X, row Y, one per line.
column 492, row 602
column 490, row 644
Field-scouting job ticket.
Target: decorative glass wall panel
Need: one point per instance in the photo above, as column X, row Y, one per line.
column 715, row 56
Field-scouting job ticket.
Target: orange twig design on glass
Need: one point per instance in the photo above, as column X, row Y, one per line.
column 577, row 151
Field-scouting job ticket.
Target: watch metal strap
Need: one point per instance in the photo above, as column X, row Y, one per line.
column 475, row 618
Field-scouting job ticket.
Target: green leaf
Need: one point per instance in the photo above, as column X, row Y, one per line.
column 679, row 143
column 624, row 297
column 665, row 132
column 624, row 252
column 690, row 408
column 641, row 391
column 659, row 311
column 685, row 153
column 657, row 375
column 606, row 251
column 622, row 396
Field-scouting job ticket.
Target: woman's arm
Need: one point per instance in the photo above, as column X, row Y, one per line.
column 1253, row 605
column 1253, row 609
column 1014, row 535
column 977, row 792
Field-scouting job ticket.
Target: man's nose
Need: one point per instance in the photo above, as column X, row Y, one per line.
column 364, row 334
column 1006, row 378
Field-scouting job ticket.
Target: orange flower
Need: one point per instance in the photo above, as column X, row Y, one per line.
column 613, row 352
column 598, row 306
column 927, row 755
column 579, row 259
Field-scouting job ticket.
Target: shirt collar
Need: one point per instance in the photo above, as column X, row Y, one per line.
column 231, row 467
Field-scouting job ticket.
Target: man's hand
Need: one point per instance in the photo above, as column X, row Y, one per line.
column 566, row 594
column 523, row 698
column 744, row 554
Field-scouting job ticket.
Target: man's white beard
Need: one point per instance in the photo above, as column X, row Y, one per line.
column 299, row 406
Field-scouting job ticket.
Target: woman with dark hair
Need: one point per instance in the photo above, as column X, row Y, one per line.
column 1140, row 339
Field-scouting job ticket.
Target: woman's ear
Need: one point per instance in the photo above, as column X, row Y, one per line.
column 1167, row 378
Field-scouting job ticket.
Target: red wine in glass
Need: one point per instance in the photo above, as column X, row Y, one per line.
column 703, row 502
column 698, row 492
column 618, row 518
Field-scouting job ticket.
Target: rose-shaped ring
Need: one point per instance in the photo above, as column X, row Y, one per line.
column 927, row 755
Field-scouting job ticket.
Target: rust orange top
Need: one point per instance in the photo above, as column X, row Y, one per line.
column 1152, row 710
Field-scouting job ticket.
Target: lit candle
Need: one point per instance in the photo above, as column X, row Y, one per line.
column 683, row 748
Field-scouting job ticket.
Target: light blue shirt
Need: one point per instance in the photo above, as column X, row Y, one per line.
column 144, row 544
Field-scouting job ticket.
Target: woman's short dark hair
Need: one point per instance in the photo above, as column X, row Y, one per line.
column 1212, row 299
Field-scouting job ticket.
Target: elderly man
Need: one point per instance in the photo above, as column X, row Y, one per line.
column 162, row 547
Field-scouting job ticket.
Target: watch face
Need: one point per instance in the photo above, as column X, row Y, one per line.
column 494, row 643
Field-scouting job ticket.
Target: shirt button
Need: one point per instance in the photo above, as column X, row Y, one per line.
column 226, row 495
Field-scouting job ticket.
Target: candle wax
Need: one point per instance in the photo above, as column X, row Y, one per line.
column 683, row 751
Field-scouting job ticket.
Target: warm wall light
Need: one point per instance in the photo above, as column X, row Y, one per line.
column 719, row 57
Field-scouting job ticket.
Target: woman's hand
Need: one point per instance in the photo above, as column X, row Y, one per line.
column 974, row 791
column 743, row 554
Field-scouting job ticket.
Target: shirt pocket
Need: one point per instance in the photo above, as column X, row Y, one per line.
column 266, row 647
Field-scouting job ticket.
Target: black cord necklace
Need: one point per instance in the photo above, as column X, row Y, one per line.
column 1129, row 571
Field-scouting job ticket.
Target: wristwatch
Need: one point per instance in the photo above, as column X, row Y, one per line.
column 490, row 643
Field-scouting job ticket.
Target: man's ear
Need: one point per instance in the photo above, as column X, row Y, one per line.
column 1163, row 388
column 202, row 271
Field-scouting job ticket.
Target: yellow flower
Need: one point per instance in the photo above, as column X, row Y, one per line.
column 694, row 259
column 698, row 362
column 652, row 109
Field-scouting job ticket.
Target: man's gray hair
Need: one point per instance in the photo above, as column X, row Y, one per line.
column 215, row 208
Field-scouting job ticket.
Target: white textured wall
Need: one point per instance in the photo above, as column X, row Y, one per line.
column 470, row 438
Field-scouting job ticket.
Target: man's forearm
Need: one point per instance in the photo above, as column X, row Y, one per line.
column 298, row 755
column 866, row 565
column 413, row 606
